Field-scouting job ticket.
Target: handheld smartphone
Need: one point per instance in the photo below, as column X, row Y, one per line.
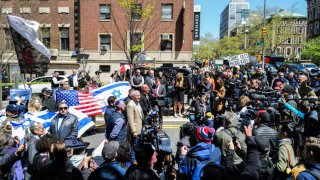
column 89, row 151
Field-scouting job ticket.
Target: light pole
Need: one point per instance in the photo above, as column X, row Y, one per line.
column 264, row 24
column 246, row 31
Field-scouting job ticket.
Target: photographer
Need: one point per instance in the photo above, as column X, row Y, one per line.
column 311, row 120
column 228, row 134
column 192, row 160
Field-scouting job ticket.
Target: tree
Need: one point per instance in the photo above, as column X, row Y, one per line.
column 141, row 22
column 312, row 50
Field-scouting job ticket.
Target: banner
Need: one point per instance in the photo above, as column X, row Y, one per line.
column 238, row 60
column 23, row 94
column 119, row 89
column 32, row 55
column 196, row 26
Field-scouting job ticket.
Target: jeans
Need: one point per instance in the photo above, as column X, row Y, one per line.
column 133, row 142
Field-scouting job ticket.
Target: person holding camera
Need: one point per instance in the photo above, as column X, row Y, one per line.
column 229, row 133
column 192, row 160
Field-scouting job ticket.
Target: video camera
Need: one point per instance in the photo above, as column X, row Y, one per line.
column 158, row 138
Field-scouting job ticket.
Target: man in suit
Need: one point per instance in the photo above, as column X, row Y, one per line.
column 73, row 80
column 64, row 125
column 145, row 101
column 158, row 94
column 135, row 117
column 150, row 80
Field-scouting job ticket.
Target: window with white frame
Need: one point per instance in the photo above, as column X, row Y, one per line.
column 298, row 50
column 105, row 11
column 278, row 51
column 288, row 51
column 300, row 40
column 105, row 42
column 289, row 41
column 64, row 39
column 136, row 39
column 45, row 36
column 166, row 42
column 8, row 40
column 167, row 11
column 136, row 11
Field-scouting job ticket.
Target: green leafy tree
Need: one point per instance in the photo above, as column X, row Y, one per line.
column 312, row 50
column 141, row 22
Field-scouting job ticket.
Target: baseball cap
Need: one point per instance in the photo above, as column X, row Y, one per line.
column 109, row 150
column 12, row 108
column 262, row 144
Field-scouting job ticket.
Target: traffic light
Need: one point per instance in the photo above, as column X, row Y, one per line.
column 263, row 31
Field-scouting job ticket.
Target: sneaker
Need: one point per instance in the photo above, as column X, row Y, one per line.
column 180, row 115
column 175, row 115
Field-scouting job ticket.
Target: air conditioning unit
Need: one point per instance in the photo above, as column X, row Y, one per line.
column 54, row 52
column 166, row 37
column 104, row 48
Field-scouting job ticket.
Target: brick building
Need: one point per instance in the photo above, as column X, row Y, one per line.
column 56, row 30
column 105, row 34
column 93, row 34
column 313, row 18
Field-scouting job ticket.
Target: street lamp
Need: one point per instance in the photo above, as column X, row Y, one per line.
column 264, row 24
column 246, row 31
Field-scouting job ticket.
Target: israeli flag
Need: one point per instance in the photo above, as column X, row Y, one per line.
column 45, row 117
column 119, row 89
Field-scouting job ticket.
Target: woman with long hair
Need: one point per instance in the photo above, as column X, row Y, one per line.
column 178, row 94
column 34, row 105
column 220, row 94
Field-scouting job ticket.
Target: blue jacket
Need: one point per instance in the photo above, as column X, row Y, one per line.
column 68, row 127
column 305, row 175
column 112, row 171
column 197, row 157
column 116, row 129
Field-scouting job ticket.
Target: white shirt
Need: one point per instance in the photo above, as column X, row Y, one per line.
column 59, row 122
column 75, row 80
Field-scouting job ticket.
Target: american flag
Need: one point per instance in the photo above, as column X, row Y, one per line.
column 81, row 101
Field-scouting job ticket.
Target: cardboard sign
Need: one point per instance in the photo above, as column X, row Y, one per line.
column 238, row 60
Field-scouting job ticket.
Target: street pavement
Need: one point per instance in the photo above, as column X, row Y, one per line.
column 171, row 126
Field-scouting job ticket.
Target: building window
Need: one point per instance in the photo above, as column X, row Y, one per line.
column 300, row 40
column 45, row 36
column 64, row 39
column 105, row 42
column 8, row 39
column 136, row 12
column 311, row 29
column 288, row 51
column 167, row 11
column 278, row 51
column 136, row 40
column 166, row 42
column 289, row 41
column 298, row 50
column 316, row 28
column 105, row 11
column 105, row 68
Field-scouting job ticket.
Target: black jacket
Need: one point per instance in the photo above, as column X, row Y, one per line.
column 145, row 104
column 252, row 169
column 135, row 172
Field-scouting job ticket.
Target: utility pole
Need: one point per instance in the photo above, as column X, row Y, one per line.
column 263, row 37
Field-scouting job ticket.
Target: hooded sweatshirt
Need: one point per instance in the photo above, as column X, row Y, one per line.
column 197, row 157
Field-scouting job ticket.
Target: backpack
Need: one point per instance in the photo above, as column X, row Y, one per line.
column 195, row 167
column 234, row 136
column 267, row 168
column 315, row 173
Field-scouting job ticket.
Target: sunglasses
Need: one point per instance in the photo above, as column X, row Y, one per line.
column 63, row 108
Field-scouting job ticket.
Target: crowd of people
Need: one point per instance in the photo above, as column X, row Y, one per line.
column 245, row 123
